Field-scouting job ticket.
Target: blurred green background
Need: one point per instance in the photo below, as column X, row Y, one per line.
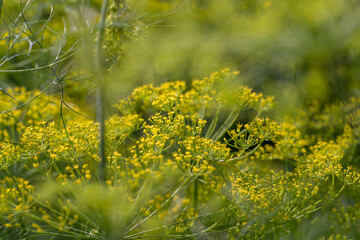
column 297, row 51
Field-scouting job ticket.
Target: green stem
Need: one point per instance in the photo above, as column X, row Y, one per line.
column 101, row 90
column 12, row 178
column 226, row 125
column 213, row 124
column 196, row 193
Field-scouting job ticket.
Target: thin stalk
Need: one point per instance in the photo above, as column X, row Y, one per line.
column 213, row 124
column 101, row 119
column 185, row 183
column 101, row 89
column 246, row 155
column 196, row 193
column 226, row 125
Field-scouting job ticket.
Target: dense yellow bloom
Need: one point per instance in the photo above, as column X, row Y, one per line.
column 176, row 156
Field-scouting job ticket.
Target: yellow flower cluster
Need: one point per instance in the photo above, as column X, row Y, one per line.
column 119, row 128
column 199, row 156
column 244, row 97
column 176, row 166
column 20, row 108
column 251, row 135
column 15, row 197
column 203, row 97
column 323, row 161
column 9, row 154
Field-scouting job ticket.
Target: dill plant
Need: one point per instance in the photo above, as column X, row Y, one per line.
column 170, row 175
column 177, row 160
